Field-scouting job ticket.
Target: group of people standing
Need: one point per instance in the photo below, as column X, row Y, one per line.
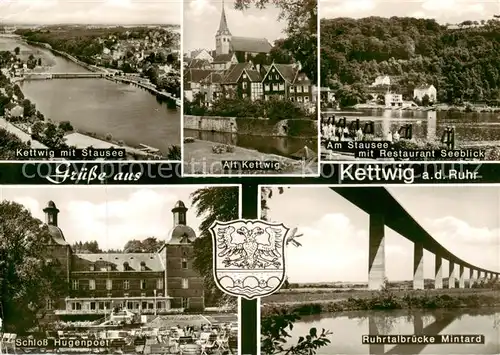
column 332, row 130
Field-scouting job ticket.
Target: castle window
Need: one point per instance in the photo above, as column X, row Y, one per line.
column 126, row 284
column 109, row 284
column 184, row 263
column 109, row 268
column 91, row 284
column 49, row 304
column 159, row 284
column 92, row 306
column 76, row 286
column 143, row 266
column 185, row 302
column 143, row 284
column 125, row 266
column 185, row 283
column 92, row 267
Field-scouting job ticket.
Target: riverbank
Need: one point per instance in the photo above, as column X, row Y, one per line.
column 204, row 157
column 317, row 301
column 437, row 108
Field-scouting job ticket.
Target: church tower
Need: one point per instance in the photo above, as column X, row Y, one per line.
column 223, row 35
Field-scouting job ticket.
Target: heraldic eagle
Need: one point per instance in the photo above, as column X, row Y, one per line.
column 250, row 254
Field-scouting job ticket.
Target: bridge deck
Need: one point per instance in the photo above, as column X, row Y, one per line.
column 377, row 200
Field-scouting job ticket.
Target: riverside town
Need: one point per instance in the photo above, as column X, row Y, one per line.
column 254, row 97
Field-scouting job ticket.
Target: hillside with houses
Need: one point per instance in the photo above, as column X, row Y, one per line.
column 408, row 62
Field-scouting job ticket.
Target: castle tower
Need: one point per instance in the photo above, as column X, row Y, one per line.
column 179, row 213
column 51, row 212
column 223, row 35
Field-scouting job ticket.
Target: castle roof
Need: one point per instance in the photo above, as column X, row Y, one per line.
column 181, row 234
column 57, row 235
column 151, row 261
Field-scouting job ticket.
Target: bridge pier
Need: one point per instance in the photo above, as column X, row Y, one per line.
column 376, row 252
column 471, row 278
column 418, row 266
column 418, row 324
column 451, row 273
column 480, row 276
column 373, row 330
column 461, row 282
column 438, row 272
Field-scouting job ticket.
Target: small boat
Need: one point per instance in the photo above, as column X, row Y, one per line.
column 148, row 149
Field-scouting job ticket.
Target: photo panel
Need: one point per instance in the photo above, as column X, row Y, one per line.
column 90, row 80
column 250, row 88
column 409, row 81
column 116, row 270
column 386, row 270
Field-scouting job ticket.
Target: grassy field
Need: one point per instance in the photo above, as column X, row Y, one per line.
column 199, row 158
column 315, row 301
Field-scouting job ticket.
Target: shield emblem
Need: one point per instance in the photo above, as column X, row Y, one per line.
column 249, row 257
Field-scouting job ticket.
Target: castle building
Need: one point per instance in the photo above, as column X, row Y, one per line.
column 143, row 283
column 226, row 43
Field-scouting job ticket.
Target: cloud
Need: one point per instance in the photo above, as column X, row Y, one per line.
column 333, row 249
column 330, row 9
column 31, row 205
column 139, row 216
column 451, row 230
column 91, row 12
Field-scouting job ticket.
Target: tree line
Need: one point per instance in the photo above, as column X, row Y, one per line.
column 462, row 63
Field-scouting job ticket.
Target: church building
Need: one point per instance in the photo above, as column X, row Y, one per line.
column 142, row 283
column 242, row 47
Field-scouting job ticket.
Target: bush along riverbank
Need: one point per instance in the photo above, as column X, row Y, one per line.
column 387, row 300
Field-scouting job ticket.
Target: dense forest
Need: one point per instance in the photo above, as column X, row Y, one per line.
column 462, row 63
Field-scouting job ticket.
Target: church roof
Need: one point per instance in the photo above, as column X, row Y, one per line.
column 250, row 45
column 152, row 261
column 57, row 235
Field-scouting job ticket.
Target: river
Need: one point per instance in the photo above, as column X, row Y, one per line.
column 347, row 329
column 126, row 112
column 283, row 146
column 429, row 125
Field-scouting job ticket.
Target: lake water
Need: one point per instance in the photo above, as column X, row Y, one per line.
column 283, row 146
column 348, row 328
column 469, row 126
column 127, row 112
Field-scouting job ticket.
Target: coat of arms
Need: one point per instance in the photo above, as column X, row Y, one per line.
column 249, row 257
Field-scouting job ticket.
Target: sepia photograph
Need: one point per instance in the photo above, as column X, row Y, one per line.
column 115, row 270
column 250, row 92
column 408, row 261
column 90, row 80
column 414, row 80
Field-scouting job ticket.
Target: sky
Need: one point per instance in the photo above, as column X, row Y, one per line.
column 124, row 12
column 444, row 11
column 335, row 242
column 202, row 18
column 110, row 215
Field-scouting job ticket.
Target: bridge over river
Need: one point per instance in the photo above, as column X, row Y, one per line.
column 47, row 76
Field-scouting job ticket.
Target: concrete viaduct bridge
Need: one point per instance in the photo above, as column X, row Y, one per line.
column 384, row 210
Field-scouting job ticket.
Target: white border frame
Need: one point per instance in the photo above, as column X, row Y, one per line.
column 166, row 187
column 318, row 96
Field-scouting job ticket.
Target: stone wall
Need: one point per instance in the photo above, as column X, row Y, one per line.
column 252, row 126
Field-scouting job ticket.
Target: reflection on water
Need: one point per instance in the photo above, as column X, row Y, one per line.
column 349, row 327
column 469, row 126
column 284, row 146
column 126, row 112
